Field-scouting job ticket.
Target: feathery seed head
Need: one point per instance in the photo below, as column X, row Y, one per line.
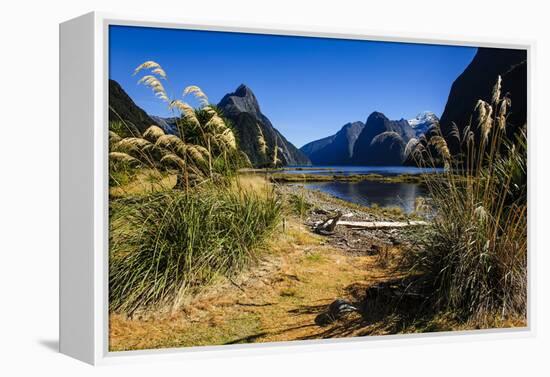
column 261, row 141
column 455, row 132
column 196, row 152
column 411, row 147
column 148, row 65
column 186, row 111
column 159, row 72
column 153, row 133
column 276, row 160
column 198, row 93
column 484, row 118
column 481, row 214
column 170, row 142
column 171, row 159
column 442, row 148
column 123, row 157
column 228, row 139
column 495, row 97
column 388, row 135
column 209, row 110
column 113, row 137
column 155, row 85
column 132, row 144
column 216, row 124
column 502, row 111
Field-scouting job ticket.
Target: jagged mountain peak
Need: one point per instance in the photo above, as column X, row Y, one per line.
column 239, row 101
column 376, row 115
column 243, row 91
column 242, row 108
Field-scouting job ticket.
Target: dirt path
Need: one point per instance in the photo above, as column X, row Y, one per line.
column 281, row 296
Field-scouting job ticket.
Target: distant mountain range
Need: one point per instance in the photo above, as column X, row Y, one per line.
column 355, row 143
column 378, row 141
column 381, row 141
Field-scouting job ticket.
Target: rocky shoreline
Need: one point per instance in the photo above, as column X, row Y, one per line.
column 363, row 241
column 338, row 177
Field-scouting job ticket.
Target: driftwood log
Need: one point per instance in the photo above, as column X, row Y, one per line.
column 381, row 224
column 327, row 227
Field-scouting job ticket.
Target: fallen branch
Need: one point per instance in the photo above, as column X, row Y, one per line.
column 381, row 224
column 327, row 226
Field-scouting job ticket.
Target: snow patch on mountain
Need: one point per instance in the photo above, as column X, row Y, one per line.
column 422, row 122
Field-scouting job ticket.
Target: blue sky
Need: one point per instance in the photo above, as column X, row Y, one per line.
column 307, row 87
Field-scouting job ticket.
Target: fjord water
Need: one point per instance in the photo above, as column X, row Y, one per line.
column 386, row 171
column 383, row 194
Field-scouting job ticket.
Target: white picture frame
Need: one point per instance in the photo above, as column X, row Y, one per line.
column 84, row 190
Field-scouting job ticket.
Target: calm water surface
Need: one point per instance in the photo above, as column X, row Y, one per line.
column 367, row 193
column 350, row 170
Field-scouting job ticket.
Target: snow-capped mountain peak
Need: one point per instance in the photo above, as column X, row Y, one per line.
column 423, row 117
column 423, row 121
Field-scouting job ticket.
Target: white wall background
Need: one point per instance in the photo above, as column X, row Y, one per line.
column 29, row 188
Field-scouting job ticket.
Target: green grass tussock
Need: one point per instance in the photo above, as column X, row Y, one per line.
column 164, row 244
column 475, row 255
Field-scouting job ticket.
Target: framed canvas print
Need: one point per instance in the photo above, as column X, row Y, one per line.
column 225, row 187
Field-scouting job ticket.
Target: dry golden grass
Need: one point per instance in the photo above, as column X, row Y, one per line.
column 279, row 297
column 146, row 181
column 253, row 183
column 284, row 280
column 153, row 133
column 151, row 180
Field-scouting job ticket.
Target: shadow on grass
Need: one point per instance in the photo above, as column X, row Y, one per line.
column 395, row 306
column 391, row 307
column 255, row 337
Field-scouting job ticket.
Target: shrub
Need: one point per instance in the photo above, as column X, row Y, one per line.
column 299, row 204
column 164, row 244
column 475, row 256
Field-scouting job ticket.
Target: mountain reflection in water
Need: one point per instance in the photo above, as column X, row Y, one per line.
column 367, row 193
